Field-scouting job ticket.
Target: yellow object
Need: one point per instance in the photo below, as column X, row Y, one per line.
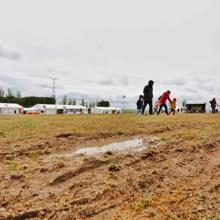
column 173, row 105
column 33, row 113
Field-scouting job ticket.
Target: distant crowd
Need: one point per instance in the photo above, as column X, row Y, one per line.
column 161, row 102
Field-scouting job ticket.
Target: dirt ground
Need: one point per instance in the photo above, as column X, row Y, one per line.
column 176, row 177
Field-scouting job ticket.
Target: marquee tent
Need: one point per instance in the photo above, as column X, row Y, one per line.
column 10, row 108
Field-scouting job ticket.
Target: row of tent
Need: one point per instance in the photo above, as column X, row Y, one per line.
column 50, row 109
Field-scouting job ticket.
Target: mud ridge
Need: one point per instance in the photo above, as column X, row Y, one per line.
column 25, row 215
column 86, row 167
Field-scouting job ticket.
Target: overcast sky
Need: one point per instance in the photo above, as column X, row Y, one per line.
column 110, row 48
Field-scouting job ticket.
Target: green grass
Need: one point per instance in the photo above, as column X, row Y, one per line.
column 140, row 204
column 13, row 165
column 17, row 128
column 35, row 156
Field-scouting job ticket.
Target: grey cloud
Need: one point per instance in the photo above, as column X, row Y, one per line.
column 179, row 82
column 190, row 90
column 107, row 82
column 203, row 80
column 88, row 81
column 208, row 88
column 49, row 72
column 16, row 83
column 38, row 75
column 191, row 96
column 43, row 85
column 79, row 96
column 175, row 82
column 9, row 54
column 205, row 85
column 198, row 80
column 27, row 86
column 48, row 86
column 124, row 80
column 55, row 71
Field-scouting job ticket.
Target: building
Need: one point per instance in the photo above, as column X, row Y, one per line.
column 106, row 110
column 52, row 109
column 10, row 109
column 196, row 108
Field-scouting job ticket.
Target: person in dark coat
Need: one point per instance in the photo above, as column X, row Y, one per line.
column 213, row 105
column 148, row 97
column 140, row 103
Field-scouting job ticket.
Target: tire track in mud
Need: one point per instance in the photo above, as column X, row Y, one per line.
column 85, row 167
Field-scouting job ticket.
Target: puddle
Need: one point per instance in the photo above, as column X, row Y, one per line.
column 136, row 144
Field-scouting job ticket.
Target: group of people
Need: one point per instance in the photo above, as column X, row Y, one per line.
column 161, row 102
column 147, row 99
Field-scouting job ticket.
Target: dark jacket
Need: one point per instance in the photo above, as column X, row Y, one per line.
column 148, row 92
column 139, row 104
column 213, row 103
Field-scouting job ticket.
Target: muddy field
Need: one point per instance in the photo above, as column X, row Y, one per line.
column 110, row 167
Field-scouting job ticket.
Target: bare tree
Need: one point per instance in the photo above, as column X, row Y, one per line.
column 2, row 92
column 18, row 94
column 83, row 102
column 70, row 102
column 64, row 100
column 10, row 93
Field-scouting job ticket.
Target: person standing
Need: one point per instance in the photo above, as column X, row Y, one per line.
column 148, row 97
column 163, row 100
column 173, row 106
column 213, row 105
column 140, row 103
column 156, row 105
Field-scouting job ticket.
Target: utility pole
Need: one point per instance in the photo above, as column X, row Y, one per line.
column 123, row 101
column 53, row 87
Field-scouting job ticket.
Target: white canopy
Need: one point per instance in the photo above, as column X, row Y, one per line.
column 53, row 106
column 10, row 105
column 108, row 108
column 32, row 109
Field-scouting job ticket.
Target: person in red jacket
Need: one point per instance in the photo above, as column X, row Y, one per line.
column 163, row 100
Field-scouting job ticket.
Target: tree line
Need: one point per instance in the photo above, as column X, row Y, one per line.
column 10, row 97
column 90, row 104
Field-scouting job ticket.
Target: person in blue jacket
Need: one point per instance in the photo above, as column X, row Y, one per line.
column 140, row 104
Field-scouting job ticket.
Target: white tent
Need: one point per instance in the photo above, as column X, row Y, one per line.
column 10, row 108
column 52, row 109
column 33, row 110
column 106, row 110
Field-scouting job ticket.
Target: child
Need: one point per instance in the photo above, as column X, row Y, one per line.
column 156, row 105
column 163, row 100
column 140, row 104
column 173, row 107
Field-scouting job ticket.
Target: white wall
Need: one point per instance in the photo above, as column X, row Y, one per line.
column 8, row 111
column 50, row 111
column 103, row 111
